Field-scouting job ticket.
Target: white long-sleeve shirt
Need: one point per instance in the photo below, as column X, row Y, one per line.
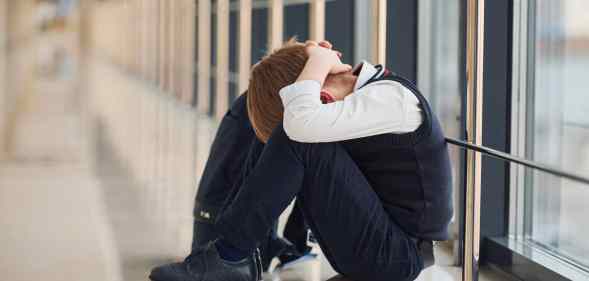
column 378, row 108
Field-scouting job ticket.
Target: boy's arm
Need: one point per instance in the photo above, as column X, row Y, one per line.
column 376, row 109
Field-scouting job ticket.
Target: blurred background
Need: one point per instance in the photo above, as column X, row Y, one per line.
column 108, row 109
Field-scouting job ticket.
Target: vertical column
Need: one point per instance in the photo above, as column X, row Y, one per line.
column 276, row 24
column 190, row 24
column 474, row 117
column 379, row 45
column 180, row 56
column 3, row 88
column 317, row 20
column 153, row 50
column 137, row 47
column 172, row 45
column 204, row 54
column 168, row 44
column 184, row 58
column 142, row 38
column 245, row 45
column 161, row 40
column 222, row 70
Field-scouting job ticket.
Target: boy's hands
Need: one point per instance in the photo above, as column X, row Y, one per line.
column 322, row 62
column 322, row 52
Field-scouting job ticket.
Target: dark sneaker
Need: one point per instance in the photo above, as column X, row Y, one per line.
column 206, row 265
column 276, row 247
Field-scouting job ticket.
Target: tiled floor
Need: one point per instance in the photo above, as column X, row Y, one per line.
column 70, row 208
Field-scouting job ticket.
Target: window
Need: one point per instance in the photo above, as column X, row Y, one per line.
column 233, row 44
column 439, row 69
column 196, row 70
column 213, row 42
column 339, row 16
column 296, row 21
column 402, row 36
column 553, row 58
column 259, row 35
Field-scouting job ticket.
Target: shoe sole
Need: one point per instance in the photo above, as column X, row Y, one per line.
column 288, row 265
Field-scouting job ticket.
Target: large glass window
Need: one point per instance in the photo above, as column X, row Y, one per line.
column 439, row 69
column 296, row 21
column 339, row 27
column 212, row 83
column 259, row 30
column 556, row 126
column 233, row 45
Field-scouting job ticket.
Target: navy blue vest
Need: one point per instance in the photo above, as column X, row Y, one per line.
column 410, row 172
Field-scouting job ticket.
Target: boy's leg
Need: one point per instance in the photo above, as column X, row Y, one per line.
column 223, row 170
column 296, row 230
column 345, row 214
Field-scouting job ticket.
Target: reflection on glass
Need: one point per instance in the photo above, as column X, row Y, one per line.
column 559, row 126
column 439, row 69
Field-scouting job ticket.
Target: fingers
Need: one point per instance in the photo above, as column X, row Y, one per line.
column 339, row 68
column 326, row 44
column 310, row 43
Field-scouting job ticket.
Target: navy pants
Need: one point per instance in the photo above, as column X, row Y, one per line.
column 345, row 214
column 234, row 153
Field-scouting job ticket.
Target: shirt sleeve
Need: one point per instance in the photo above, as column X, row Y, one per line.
column 375, row 109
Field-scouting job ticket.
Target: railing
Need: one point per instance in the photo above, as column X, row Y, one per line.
column 472, row 214
column 514, row 159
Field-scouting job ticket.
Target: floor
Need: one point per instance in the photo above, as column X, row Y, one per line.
column 72, row 210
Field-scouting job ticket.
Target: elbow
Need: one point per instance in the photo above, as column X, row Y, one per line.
column 296, row 131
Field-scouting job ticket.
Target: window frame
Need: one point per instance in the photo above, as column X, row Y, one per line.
column 504, row 236
column 504, row 128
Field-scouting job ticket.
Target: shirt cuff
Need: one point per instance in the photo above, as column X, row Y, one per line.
column 305, row 87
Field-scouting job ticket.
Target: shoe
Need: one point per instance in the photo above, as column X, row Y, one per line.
column 277, row 247
column 205, row 264
column 287, row 262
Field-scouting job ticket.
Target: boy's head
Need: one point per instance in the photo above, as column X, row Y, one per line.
column 275, row 71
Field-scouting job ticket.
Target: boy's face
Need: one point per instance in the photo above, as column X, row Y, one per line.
column 340, row 85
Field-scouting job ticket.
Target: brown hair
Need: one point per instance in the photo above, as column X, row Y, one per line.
column 272, row 73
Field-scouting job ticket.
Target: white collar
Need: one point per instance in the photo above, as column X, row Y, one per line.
column 365, row 71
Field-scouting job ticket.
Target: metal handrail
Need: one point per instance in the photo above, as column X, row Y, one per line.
column 514, row 159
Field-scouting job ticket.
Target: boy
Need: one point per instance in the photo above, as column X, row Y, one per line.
column 233, row 153
column 372, row 189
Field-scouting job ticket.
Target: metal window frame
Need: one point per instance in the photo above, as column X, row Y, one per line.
column 474, row 120
column 518, row 121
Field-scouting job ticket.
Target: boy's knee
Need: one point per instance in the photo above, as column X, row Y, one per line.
column 307, row 151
